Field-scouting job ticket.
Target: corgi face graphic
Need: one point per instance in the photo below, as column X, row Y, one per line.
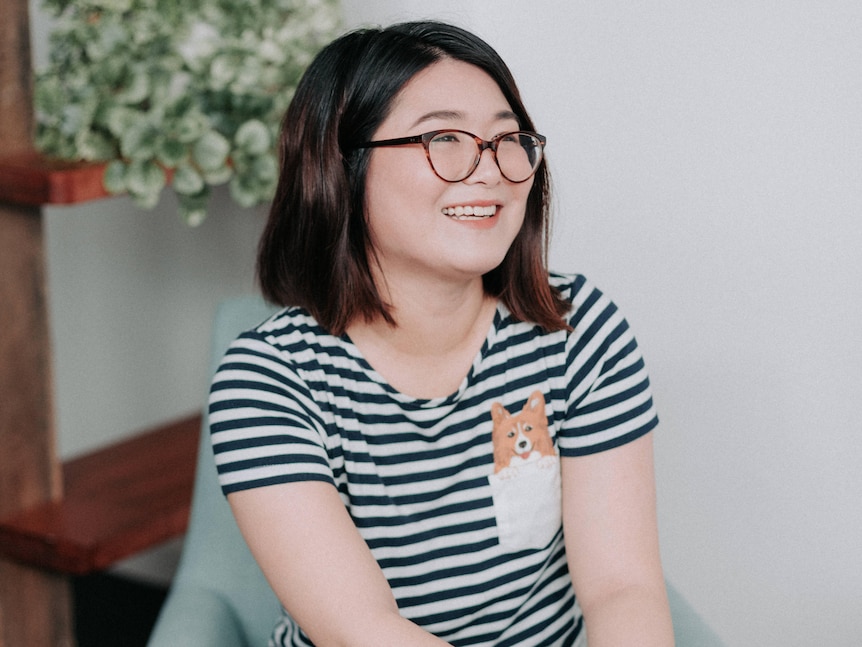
column 521, row 437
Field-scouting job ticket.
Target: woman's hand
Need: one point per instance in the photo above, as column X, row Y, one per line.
column 320, row 567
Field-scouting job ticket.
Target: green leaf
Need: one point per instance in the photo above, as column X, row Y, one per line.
column 136, row 87
column 253, row 137
column 265, row 168
column 145, row 181
column 73, row 119
column 114, row 5
column 223, row 70
column 94, row 145
column 114, row 179
column 193, row 217
column 49, row 97
column 146, row 201
column 119, row 119
column 243, row 193
column 139, row 141
column 193, row 208
column 218, row 176
column 171, row 151
column 210, row 151
column 191, row 126
column 187, row 181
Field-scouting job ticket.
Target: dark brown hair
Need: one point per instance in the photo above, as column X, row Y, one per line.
column 314, row 252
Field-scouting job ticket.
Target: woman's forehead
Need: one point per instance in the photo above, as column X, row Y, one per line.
column 450, row 91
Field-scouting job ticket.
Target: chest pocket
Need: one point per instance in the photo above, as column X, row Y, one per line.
column 528, row 503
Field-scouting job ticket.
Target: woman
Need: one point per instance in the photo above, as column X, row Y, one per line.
column 435, row 441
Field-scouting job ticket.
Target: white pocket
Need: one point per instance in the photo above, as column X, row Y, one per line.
column 528, row 503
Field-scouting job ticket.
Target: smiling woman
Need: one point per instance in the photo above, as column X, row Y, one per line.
column 331, row 275
column 404, row 444
column 400, row 184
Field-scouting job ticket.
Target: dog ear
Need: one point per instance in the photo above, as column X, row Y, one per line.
column 536, row 400
column 498, row 412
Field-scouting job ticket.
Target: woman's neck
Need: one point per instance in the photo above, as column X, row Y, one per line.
column 439, row 330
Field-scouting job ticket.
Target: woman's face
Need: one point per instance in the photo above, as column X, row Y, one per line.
column 409, row 210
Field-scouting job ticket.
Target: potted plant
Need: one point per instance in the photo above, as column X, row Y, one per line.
column 189, row 92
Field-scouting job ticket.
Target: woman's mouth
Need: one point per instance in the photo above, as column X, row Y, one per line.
column 469, row 212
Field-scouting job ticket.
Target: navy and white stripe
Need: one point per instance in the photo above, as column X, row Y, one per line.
column 291, row 402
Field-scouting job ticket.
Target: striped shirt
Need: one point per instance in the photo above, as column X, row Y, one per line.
column 457, row 497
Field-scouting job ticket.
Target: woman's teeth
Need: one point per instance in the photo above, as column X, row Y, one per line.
column 469, row 213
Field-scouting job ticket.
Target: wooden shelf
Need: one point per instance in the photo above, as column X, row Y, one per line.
column 117, row 501
column 29, row 178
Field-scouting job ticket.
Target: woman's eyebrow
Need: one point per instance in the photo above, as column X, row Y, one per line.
column 451, row 115
column 439, row 114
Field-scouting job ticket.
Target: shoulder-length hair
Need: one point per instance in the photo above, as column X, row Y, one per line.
column 315, row 249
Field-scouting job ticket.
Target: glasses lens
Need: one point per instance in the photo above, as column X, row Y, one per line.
column 453, row 155
column 518, row 155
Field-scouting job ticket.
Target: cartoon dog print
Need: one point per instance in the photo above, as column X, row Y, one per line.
column 522, row 437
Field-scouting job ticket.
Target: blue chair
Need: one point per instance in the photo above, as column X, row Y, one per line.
column 219, row 597
column 689, row 628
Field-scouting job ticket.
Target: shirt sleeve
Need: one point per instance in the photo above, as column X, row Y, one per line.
column 265, row 428
column 609, row 396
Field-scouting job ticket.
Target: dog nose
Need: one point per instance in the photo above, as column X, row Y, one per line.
column 522, row 444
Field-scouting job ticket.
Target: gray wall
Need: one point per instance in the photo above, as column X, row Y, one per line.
column 707, row 159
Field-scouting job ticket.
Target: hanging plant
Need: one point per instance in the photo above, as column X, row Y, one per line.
column 188, row 92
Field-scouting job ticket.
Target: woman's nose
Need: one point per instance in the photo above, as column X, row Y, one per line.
column 487, row 171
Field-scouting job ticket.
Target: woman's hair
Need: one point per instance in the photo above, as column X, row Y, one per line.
column 315, row 249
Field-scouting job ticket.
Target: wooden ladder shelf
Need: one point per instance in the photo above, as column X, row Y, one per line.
column 117, row 501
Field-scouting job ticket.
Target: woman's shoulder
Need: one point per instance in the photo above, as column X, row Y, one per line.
column 574, row 287
column 291, row 335
column 588, row 301
column 284, row 325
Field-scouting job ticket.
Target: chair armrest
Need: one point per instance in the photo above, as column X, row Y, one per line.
column 689, row 628
column 196, row 617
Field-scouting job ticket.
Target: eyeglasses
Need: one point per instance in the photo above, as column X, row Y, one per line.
column 455, row 154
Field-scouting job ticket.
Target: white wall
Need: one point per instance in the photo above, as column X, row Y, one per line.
column 708, row 166
column 132, row 297
column 707, row 159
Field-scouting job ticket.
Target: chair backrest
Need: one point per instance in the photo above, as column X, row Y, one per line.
column 214, row 554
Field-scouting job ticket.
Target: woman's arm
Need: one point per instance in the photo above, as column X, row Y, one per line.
column 320, row 567
column 611, row 535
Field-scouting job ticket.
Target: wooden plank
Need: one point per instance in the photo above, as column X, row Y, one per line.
column 29, row 471
column 16, row 86
column 118, row 501
column 35, row 606
column 28, row 178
